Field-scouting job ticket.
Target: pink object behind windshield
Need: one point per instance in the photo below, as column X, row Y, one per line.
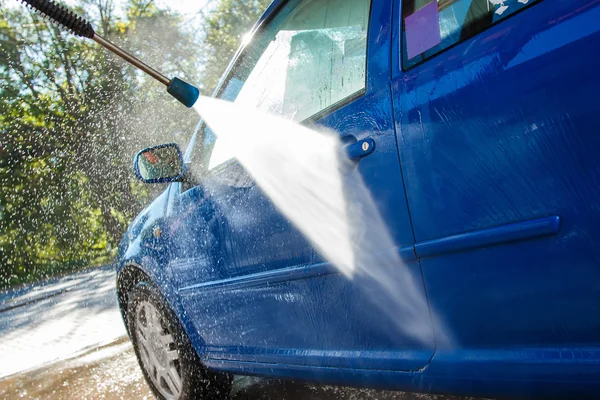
column 422, row 30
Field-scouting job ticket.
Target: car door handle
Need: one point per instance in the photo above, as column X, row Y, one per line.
column 360, row 149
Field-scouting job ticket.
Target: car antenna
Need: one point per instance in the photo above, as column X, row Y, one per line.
column 181, row 90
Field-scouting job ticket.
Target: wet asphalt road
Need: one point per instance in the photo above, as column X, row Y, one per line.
column 66, row 340
column 43, row 323
column 111, row 372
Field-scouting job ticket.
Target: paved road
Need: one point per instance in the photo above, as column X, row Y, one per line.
column 64, row 316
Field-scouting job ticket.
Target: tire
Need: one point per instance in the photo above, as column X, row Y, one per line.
column 165, row 353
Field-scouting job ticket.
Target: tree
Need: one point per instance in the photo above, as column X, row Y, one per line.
column 73, row 115
column 71, row 118
column 225, row 29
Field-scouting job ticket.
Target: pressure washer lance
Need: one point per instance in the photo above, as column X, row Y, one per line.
column 181, row 90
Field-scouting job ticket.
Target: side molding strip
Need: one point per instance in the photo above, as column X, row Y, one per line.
column 265, row 278
column 522, row 230
column 406, row 253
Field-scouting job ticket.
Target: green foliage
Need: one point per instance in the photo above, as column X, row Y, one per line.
column 73, row 115
column 225, row 28
column 71, row 118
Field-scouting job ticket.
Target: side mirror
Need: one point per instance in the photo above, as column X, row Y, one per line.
column 158, row 164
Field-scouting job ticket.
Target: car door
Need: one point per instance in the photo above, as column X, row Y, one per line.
column 267, row 294
column 497, row 115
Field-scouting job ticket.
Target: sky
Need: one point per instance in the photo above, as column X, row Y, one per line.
column 188, row 8
column 185, row 7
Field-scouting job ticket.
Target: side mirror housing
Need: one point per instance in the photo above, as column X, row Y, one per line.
column 159, row 164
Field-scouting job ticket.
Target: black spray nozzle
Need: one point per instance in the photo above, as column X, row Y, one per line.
column 184, row 92
column 181, row 90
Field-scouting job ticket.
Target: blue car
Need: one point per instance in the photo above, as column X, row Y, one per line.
column 474, row 129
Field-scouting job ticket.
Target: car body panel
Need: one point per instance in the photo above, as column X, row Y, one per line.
column 500, row 131
column 262, row 274
column 494, row 141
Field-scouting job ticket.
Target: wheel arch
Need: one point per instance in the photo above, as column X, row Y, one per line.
column 131, row 274
column 128, row 277
column 133, row 279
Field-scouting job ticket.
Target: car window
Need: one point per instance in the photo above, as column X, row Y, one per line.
column 311, row 56
column 429, row 27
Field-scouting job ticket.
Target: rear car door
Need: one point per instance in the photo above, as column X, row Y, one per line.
column 269, row 300
column 497, row 119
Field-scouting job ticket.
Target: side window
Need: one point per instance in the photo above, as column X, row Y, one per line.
column 310, row 56
column 429, row 27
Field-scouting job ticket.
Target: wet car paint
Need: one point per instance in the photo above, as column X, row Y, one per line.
column 499, row 132
column 487, row 138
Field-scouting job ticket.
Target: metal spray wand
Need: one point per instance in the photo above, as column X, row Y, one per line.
column 181, row 90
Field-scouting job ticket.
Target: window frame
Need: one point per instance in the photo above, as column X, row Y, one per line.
column 244, row 52
column 446, row 3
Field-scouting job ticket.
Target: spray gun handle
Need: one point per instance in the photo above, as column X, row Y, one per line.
column 182, row 91
column 113, row 48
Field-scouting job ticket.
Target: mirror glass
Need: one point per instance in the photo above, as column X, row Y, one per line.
column 162, row 163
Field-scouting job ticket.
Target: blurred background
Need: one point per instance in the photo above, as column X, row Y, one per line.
column 72, row 116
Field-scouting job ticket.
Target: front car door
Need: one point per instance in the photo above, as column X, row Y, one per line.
column 262, row 295
column 497, row 113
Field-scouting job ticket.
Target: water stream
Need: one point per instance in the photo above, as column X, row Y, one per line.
column 309, row 178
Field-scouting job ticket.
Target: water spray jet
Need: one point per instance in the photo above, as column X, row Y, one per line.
column 184, row 92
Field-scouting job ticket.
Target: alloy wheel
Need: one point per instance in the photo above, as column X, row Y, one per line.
column 159, row 354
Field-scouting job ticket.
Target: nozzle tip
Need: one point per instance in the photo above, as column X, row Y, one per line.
column 184, row 92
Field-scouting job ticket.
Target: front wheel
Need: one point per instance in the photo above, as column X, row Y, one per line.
column 168, row 360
